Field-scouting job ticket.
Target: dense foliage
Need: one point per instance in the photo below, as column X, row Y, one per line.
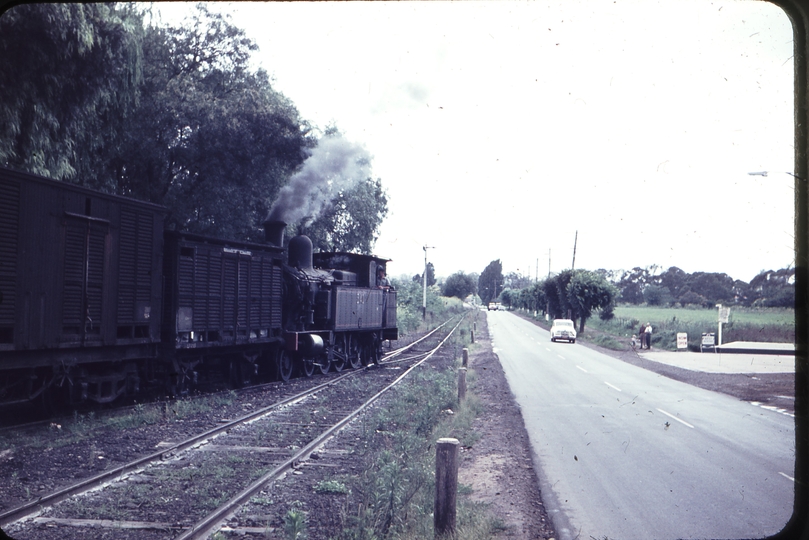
column 93, row 94
column 459, row 285
column 652, row 287
column 491, row 282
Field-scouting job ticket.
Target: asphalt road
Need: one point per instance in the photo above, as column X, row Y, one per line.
column 624, row 453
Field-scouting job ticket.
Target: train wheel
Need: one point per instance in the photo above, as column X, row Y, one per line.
column 307, row 367
column 323, row 364
column 285, row 365
column 338, row 363
column 353, row 351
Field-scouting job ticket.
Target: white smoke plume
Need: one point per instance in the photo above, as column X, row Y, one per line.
column 334, row 165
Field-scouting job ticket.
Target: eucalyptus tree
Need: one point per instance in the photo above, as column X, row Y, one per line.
column 69, row 77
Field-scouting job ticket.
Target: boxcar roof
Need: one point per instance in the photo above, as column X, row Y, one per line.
column 225, row 242
column 33, row 178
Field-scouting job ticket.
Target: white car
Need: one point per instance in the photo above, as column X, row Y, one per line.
column 563, row 329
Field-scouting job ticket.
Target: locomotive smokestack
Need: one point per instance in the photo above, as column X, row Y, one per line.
column 274, row 232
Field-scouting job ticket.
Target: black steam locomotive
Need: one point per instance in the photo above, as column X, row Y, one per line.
column 96, row 299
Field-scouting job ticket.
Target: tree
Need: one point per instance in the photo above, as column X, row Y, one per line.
column 674, row 280
column 633, row 282
column 69, row 78
column 459, row 285
column 657, row 295
column 490, row 282
column 555, row 289
column 430, row 275
column 211, row 139
column 773, row 288
column 587, row 292
column 351, row 220
column 715, row 287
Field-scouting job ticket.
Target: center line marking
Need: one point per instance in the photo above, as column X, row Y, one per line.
column 674, row 417
column 612, row 386
column 581, row 368
column 785, row 476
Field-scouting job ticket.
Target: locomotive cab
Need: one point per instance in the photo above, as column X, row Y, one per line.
column 335, row 313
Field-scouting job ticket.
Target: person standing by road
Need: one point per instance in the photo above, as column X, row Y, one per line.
column 642, row 335
column 647, row 334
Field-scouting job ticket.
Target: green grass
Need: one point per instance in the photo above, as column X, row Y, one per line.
column 762, row 316
column 774, row 325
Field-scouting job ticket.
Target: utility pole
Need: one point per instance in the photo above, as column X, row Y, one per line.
column 575, row 241
column 424, row 278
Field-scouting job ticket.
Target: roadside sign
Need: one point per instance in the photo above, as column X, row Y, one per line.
column 724, row 314
column 708, row 340
column 682, row 340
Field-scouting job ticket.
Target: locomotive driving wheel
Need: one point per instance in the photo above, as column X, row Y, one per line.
column 339, row 361
column 353, row 352
column 284, row 365
column 307, row 366
column 323, row 364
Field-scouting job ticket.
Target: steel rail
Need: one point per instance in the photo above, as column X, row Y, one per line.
column 32, row 507
column 214, row 520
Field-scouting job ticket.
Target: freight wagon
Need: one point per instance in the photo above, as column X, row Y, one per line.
column 96, row 298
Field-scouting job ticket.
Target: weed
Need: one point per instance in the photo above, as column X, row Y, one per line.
column 295, row 522
column 332, row 487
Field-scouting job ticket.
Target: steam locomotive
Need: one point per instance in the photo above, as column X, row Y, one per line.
column 96, row 298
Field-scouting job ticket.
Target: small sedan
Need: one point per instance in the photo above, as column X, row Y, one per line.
column 563, row 329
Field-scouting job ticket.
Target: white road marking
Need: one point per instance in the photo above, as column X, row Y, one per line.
column 581, row 368
column 560, row 356
column 786, row 476
column 612, row 386
column 674, row 417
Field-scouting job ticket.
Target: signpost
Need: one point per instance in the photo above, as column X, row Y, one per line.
column 724, row 316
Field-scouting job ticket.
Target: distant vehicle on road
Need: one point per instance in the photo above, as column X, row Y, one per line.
column 494, row 306
column 563, row 329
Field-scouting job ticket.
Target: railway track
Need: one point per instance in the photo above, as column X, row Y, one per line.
column 211, row 474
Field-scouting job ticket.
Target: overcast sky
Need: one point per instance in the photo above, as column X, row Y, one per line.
column 500, row 129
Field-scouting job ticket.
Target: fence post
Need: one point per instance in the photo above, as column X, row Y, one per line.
column 465, row 361
column 472, row 336
column 446, row 485
column 461, row 384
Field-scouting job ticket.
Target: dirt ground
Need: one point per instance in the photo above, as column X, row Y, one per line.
column 499, row 467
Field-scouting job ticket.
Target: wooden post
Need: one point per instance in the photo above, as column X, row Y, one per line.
column 465, row 361
column 446, row 485
column 461, row 384
column 472, row 336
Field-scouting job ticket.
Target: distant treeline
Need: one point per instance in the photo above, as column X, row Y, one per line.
column 770, row 288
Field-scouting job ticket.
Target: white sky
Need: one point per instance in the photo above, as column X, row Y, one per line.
column 499, row 129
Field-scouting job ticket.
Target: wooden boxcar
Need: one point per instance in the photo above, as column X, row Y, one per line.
column 80, row 284
column 222, row 300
